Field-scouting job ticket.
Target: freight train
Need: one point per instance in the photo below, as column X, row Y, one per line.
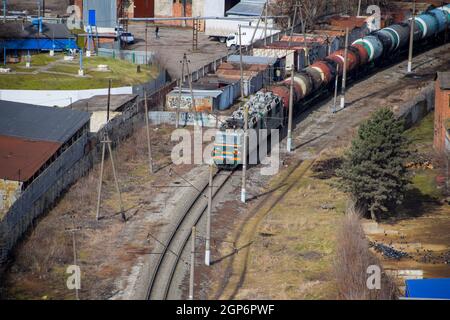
column 267, row 109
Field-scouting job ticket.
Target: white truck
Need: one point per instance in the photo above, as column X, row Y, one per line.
column 224, row 30
column 247, row 35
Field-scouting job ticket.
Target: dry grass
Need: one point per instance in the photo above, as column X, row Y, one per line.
column 294, row 245
column 352, row 260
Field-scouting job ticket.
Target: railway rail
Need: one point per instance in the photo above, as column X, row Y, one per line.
column 164, row 271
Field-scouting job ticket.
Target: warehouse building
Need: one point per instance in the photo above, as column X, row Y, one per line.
column 442, row 113
column 39, row 147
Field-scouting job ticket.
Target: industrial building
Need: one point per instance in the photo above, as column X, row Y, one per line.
column 16, row 37
column 39, row 149
column 103, row 12
column 442, row 113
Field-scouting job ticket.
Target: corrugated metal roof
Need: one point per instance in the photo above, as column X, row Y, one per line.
column 17, row 30
column 39, row 123
column 248, row 8
column 252, row 60
column 21, row 158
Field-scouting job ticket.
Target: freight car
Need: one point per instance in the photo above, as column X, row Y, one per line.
column 267, row 105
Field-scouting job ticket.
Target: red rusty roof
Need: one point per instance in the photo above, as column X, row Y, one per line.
column 21, row 158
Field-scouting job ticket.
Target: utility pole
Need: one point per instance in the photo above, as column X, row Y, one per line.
column 335, row 89
column 241, row 64
column 265, row 22
column 244, row 155
column 107, row 143
column 195, row 29
column 108, row 105
column 291, row 108
column 146, row 43
column 208, row 218
column 191, row 277
column 304, row 34
column 359, row 9
column 149, row 145
column 344, row 72
column 4, row 11
column 411, row 38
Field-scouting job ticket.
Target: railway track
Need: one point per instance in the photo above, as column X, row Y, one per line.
column 164, row 270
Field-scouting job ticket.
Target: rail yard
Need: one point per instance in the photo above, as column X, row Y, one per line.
column 259, row 151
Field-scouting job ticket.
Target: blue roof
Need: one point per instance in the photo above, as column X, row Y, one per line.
column 428, row 288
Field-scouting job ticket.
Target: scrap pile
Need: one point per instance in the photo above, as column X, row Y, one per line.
column 387, row 251
column 258, row 106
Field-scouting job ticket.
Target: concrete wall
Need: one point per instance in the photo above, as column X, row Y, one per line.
column 60, row 98
column 214, row 8
column 418, row 107
column 185, row 118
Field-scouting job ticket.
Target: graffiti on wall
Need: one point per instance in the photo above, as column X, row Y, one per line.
column 201, row 103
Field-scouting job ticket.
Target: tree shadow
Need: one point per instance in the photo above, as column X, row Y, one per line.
column 416, row 204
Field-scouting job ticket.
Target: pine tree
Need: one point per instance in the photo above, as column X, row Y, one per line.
column 374, row 171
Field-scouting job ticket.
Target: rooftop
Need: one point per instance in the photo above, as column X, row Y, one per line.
column 248, row 8
column 33, row 122
column 21, row 158
column 26, row 30
column 99, row 103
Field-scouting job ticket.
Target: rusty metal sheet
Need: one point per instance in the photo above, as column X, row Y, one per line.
column 21, row 158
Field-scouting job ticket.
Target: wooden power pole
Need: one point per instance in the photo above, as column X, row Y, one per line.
column 106, row 143
column 149, row 145
column 411, row 38
column 191, row 276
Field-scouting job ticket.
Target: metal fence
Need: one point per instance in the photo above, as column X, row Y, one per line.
column 135, row 57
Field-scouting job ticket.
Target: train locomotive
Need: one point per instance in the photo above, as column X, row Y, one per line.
column 268, row 107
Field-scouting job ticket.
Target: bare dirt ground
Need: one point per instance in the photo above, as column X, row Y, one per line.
column 173, row 43
column 283, row 242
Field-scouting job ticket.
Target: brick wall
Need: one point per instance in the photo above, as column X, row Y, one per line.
column 441, row 117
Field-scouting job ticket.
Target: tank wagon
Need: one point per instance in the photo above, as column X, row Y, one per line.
column 319, row 77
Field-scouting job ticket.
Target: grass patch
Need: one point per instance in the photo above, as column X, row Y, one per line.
column 421, row 135
column 296, row 259
column 425, row 182
column 122, row 74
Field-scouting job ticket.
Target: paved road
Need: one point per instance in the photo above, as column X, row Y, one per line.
column 173, row 42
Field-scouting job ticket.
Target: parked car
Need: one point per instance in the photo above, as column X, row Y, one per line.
column 127, row 37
